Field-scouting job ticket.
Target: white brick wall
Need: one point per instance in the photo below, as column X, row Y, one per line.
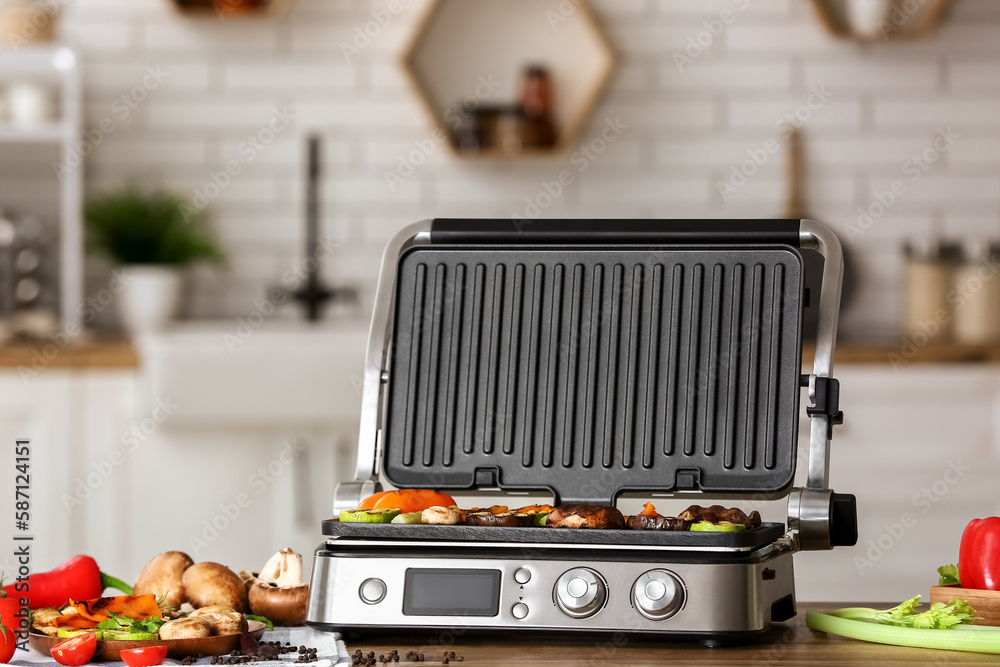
column 685, row 131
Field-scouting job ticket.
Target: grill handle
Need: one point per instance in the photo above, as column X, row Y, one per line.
column 514, row 231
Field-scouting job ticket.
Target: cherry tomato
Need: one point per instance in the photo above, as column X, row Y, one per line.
column 148, row 656
column 75, row 651
column 8, row 644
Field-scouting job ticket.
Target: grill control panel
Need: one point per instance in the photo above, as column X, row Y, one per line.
column 535, row 594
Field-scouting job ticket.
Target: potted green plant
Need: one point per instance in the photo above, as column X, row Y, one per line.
column 152, row 235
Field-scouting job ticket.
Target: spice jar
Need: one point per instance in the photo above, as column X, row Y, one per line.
column 536, row 101
column 975, row 294
column 927, row 281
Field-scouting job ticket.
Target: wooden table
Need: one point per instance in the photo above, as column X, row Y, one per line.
column 790, row 643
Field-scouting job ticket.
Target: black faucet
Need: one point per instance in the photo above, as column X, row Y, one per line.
column 315, row 295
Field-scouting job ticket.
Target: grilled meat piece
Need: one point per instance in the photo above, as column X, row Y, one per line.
column 585, row 516
column 718, row 513
column 502, row 520
column 645, row 522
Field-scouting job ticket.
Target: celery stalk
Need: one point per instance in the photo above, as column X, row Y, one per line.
column 942, row 627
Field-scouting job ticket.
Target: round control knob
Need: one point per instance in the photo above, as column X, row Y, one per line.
column 658, row 594
column 372, row 591
column 580, row 592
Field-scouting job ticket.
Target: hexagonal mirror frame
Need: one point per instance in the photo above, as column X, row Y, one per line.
column 470, row 53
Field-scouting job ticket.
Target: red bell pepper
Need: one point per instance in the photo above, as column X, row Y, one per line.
column 79, row 578
column 979, row 555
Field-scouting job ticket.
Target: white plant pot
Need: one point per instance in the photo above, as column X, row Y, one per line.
column 865, row 16
column 150, row 299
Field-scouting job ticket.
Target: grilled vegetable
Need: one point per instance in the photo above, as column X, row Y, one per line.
column 539, row 512
column 503, row 520
column 719, row 514
column 409, row 517
column 79, row 578
column 90, row 613
column 658, row 522
column 443, row 516
column 721, row 527
column 66, row 633
column 585, row 516
column 979, row 554
column 407, row 500
column 368, row 516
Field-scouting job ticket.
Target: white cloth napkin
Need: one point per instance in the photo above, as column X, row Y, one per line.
column 330, row 650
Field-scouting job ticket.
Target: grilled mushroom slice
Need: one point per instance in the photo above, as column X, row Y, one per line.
column 645, row 522
column 502, row 520
column 443, row 516
column 720, row 514
column 585, row 516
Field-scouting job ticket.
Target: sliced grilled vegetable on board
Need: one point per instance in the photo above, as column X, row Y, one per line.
column 409, row 517
column 720, row 514
column 368, row 516
column 407, row 500
column 442, row 516
column 720, row 527
column 650, row 519
column 585, row 516
column 502, row 520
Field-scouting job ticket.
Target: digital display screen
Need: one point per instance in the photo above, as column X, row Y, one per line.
column 451, row 592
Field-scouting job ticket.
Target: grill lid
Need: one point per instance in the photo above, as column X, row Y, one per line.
column 595, row 370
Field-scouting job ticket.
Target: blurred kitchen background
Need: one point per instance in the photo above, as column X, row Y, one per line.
column 222, row 429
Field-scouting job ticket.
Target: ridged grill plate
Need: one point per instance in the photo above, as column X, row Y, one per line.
column 594, row 371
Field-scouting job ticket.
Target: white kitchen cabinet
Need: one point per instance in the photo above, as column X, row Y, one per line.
column 38, row 409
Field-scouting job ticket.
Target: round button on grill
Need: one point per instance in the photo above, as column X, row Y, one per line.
column 372, row 591
column 578, row 587
column 658, row 594
column 580, row 592
column 522, row 575
column 519, row 610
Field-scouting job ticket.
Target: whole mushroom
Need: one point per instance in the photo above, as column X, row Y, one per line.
column 163, row 577
column 208, row 584
column 279, row 593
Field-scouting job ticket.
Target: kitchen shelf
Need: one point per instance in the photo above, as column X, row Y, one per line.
column 56, row 66
column 48, row 133
column 460, row 43
column 110, row 353
column 232, row 9
column 891, row 351
column 918, row 25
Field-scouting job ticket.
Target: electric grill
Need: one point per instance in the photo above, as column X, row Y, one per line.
column 589, row 359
